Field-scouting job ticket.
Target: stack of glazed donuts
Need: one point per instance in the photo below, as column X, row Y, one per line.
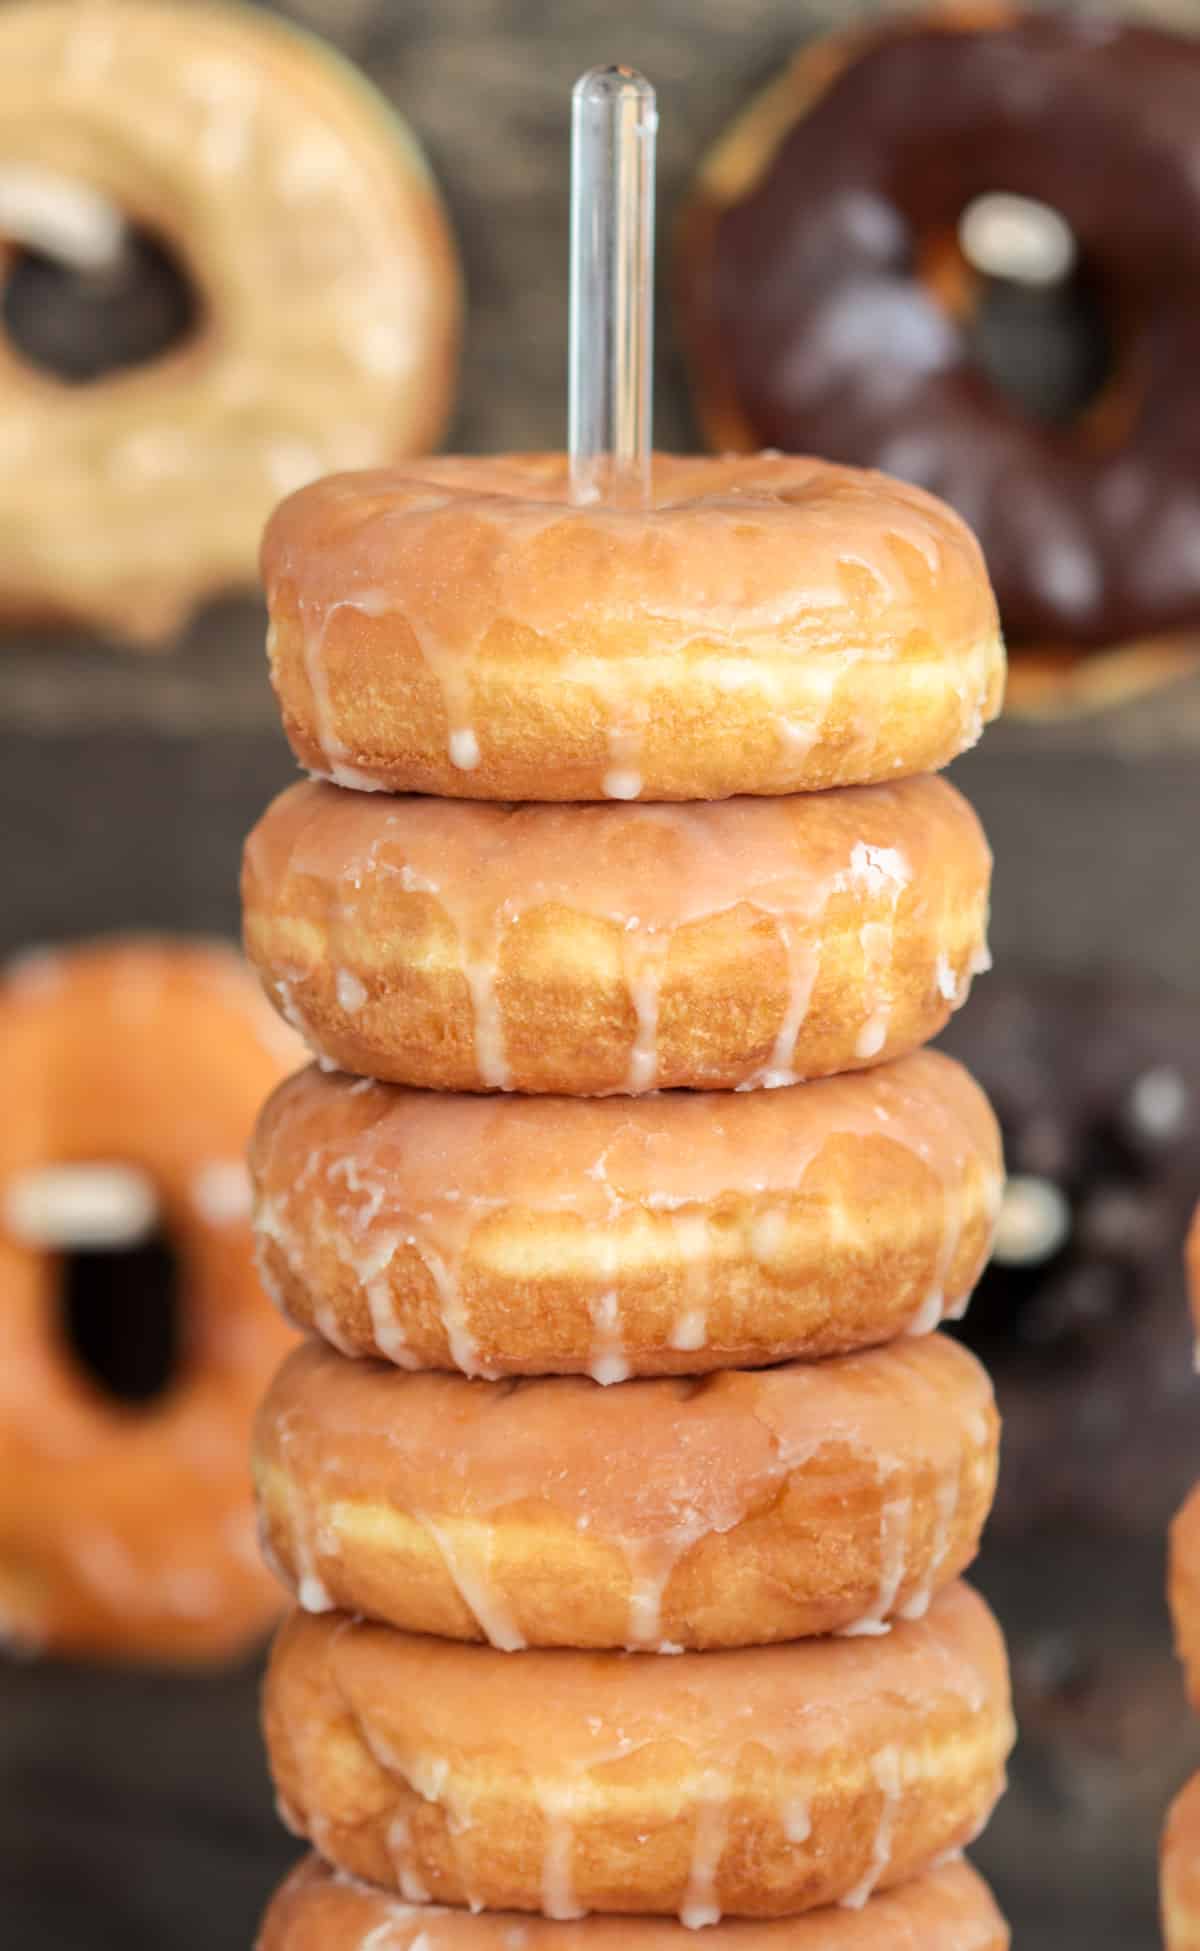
column 625, row 1487
column 1181, row 1838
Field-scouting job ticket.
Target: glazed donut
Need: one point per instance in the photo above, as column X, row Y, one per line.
column 1180, row 1871
column 837, row 196
column 732, row 1511
column 319, row 1909
column 129, row 1530
column 1184, row 1588
column 460, row 946
column 756, row 1783
column 307, row 220
column 669, row 1234
column 764, row 626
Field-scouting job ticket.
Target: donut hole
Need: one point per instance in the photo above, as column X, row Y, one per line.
column 120, row 1316
column 1029, row 304
column 1048, row 350
column 79, row 325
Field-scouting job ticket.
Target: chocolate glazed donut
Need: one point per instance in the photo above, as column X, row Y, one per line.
column 1082, row 1316
column 819, row 322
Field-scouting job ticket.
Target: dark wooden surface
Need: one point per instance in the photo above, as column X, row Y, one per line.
column 134, row 1812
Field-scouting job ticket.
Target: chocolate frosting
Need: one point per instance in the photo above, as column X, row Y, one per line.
column 836, row 346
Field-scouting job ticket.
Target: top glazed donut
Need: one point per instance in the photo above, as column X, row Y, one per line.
column 306, row 219
column 765, row 625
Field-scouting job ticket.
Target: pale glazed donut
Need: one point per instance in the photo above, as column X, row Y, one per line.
column 306, row 217
column 757, row 1783
column 1180, row 1887
column 669, row 1234
column 744, row 1508
column 1184, row 1590
column 319, row 1909
column 768, row 625
column 122, row 1531
column 589, row 949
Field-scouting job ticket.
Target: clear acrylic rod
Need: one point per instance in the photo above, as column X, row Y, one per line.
column 614, row 124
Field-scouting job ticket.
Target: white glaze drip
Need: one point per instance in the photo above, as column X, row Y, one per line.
column 885, row 873
column 399, row 1847
column 476, row 1590
column 558, row 1893
column 350, row 993
column 623, row 780
column 464, row 749
column 620, row 784
column 462, row 743
column 768, row 1231
column 270, row 1224
column 953, row 1219
column 694, row 1245
column 797, row 1819
column 886, row 1770
column 928, row 1315
column 609, row 1362
column 464, row 1352
column 335, row 752
column 876, row 941
column 690, row 1330
column 311, row 1590
column 490, row 1054
column 701, row 1904
column 373, row 1273
column 645, row 963
column 651, row 1563
column 798, row 736
column 803, row 967
column 946, row 1496
column 895, row 1522
column 328, row 1326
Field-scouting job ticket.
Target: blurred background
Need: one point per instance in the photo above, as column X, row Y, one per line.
column 134, row 1807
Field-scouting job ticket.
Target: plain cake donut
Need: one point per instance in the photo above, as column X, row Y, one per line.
column 319, row 1909
column 588, row 949
column 128, row 1530
column 743, row 1508
column 307, row 221
column 764, row 625
column 668, row 1234
column 758, row 1783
